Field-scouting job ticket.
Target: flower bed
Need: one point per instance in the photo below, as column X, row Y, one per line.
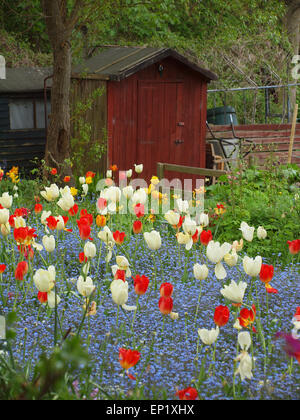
column 197, row 336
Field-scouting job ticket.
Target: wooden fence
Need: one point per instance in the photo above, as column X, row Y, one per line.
column 162, row 167
column 268, row 139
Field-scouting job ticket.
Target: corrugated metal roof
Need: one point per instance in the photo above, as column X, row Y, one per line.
column 117, row 63
column 23, row 79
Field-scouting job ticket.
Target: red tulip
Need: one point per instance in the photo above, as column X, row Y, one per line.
column 266, row 273
column 247, row 317
column 82, row 258
column 166, row 290
column 141, row 284
column 21, row 270
column 139, row 210
column 67, row 179
column 119, row 237
column 187, row 394
column 179, row 224
column 165, row 305
column 53, row 171
column 120, row 275
column 85, row 215
column 195, row 237
column 137, row 226
column 73, row 210
column 297, row 313
column 84, row 228
column 52, row 222
column 221, row 316
column 2, row 268
column 128, row 358
column 205, row 237
column 38, row 208
column 24, row 235
column 294, row 246
column 270, row 289
column 42, row 297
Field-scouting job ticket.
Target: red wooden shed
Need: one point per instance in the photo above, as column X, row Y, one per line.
column 155, row 102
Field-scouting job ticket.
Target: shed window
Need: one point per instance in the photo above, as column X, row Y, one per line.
column 27, row 113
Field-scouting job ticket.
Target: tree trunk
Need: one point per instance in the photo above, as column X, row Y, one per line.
column 58, row 136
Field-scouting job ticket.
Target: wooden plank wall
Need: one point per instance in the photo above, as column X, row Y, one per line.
column 271, row 140
column 19, row 147
column 4, row 114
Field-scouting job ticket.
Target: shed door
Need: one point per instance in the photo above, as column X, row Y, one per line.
column 160, row 129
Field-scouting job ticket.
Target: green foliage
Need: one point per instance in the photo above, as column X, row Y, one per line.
column 52, row 377
column 260, row 198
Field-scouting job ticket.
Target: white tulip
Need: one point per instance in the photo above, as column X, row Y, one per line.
column 231, row 258
column 4, row 216
column 51, row 300
column 245, row 367
column 127, row 192
column 247, row 231
column 113, row 194
column 51, row 193
column 129, row 173
column 19, row 222
column 89, row 250
column 208, row 337
column 6, row 200
column 44, row 216
column 216, row 252
column 261, row 233
column 153, row 240
column 109, row 173
column 5, row 229
column 252, row 266
column 138, row 168
column 119, row 291
column 139, row 196
column 200, row 271
column 234, row 292
column 174, row 316
column 172, row 217
column 182, row 205
column 49, row 243
column 44, row 280
column 189, row 226
column 123, row 264
column 60, row 223
column 85, row 189
column 244, row 340
column 106, row 235
column 85, row 287
column 66, row 202
column 204, row 219
column 82, row 180
column 220, row 271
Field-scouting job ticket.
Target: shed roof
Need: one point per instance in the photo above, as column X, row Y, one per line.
column 24, row 79
column 117, row 63
column 114, row 63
